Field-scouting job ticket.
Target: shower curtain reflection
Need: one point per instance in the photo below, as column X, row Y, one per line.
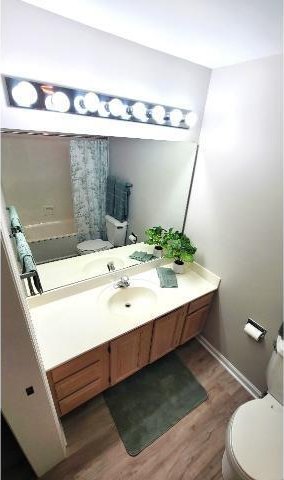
column 89, row 171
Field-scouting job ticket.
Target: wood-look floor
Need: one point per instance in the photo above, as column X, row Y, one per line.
column 191, row 450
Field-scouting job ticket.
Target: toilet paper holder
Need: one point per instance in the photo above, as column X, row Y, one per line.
column 133, row 238
column 262, row 330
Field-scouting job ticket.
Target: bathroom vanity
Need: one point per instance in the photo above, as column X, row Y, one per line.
column 92, row 336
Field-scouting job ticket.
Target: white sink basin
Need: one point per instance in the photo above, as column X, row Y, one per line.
column 99, row 265
column 138, row 299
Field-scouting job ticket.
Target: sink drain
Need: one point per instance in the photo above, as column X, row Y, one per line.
column 128, row 305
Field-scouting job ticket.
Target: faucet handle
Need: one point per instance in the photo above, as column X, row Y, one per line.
column 110, row 266
column 125, row 278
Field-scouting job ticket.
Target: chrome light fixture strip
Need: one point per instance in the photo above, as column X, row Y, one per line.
column 23, row 93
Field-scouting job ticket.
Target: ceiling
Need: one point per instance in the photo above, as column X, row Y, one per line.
column 213, row 33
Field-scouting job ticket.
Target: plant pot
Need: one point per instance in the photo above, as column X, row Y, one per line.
column 178, row 266
column 158, row 251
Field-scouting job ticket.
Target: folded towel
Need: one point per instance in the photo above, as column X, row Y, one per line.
column 121, row 200
column 142, row 256
column 23, row 249
column 110, row 196
column 27, row 261
column 14, row 219
column 117, row 198
column 167, row 277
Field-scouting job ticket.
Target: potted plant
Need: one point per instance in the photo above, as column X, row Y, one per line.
column 155, row 236
column 179, row 247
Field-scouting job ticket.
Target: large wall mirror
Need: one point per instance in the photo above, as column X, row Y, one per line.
column 80, row 199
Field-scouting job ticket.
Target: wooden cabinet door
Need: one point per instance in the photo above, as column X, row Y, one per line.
column 194, row 323
column 167, row 333
column 130, row 352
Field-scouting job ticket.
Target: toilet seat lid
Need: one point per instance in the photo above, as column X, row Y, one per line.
column 94, row 245
column 255, row 439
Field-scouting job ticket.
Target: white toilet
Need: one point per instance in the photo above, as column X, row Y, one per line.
column 116, row 233
column 254, row 439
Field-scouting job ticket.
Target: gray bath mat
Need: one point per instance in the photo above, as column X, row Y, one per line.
column 150, row 402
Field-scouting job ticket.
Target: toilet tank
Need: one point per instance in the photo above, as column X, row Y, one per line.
column 116, row 231
column 274, row 373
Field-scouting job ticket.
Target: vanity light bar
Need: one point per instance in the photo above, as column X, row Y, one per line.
column 42, row 96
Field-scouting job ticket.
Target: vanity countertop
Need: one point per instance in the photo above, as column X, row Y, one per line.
column 72, row 320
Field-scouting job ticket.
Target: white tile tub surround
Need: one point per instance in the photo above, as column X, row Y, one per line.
column 49, row 230
column 70, row 320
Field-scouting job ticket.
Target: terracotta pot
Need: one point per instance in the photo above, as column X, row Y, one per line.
column 178, row 266
column 158, row 251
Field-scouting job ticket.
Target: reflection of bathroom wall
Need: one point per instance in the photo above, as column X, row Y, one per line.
column 36, row 179
column 36, row 176
column 160, row 172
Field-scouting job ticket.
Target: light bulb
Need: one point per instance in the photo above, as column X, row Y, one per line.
column 191, row 119
column 139, row 111
column 58, row 102
column 175, row 117
column 116, row 107
column 79, row 104
column 102, row 109
column 48, row 102
column 24, row 94
column 91, row 102
column 158, row 114
column 125, row 115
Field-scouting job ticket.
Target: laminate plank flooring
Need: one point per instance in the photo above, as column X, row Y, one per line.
column 191, row 450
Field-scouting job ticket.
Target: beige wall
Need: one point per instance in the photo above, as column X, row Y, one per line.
column 32, row 418
column 35, row 174
column 160, row 173
column 235, row 215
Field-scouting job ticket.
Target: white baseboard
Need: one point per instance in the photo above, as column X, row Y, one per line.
column 230, row 368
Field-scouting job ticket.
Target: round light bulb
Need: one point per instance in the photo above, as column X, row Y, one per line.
column 79, row 104
column 48, row 102
column 91, row 102
column 158, row 114
column 191, row 119
column 58, row 102
column 139, row 111
column 175, row 117
column 125, row 115
column 24, row 94
column 116, row 107
column 102, row 111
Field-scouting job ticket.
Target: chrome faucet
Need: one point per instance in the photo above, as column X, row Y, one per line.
column 123, row 282
column 110, row 266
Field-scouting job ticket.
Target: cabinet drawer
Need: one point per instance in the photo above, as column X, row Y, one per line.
column 78, row 380
column 81, row 396
column 78, row 363
column 194, row 323
column 200, row 302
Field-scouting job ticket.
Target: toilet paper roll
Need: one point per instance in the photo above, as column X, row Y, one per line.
column 132, row 238
column 253, row 332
